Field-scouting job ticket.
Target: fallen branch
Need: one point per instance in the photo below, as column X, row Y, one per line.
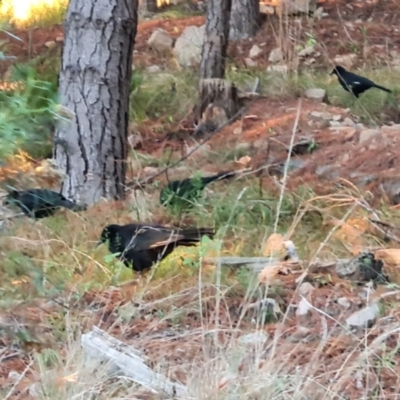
column 100, row 346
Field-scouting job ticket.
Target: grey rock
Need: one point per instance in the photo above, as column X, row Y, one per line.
column 345, row 60
column 315, row 94
column 160, row 41
column 306, row 288
column 343, row 302
column 335, row 123
column 347, row 268
column 153, row 69
column 255, row 338
column 254, row 51
column 188, row 46
column 276, row 55
column 348, row 122
column 365, row 317
column 250, row 62
column 303, row 308
column 306, row 51
column 281, row 68
column 367, row 134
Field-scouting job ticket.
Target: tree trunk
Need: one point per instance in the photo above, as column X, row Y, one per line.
column 245, row 18
column 148, row 6
column 216, row 38
column 94, row 84
column 218, row 98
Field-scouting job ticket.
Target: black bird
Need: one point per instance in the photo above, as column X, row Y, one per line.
column 353, row 83
column 188, row 190
column 40, row 203
column 144, row 244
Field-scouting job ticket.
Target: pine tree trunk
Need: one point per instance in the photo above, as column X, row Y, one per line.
column 218, row 98
column 245, row 18
column 216, row 38
column 148, row 6
column 96, row 70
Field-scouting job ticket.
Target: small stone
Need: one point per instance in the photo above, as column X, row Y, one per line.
column 337, row 117
column 250, row 62
column 315, row 94
column 160, row 41
column 364, row 318
column 345, row 60
column 306, row 288
column 367, row 134
column 14, row 376
column 303, row 308
column 348, row 122
column 238, row 130
column 282, row 68
column 335, row 123
column 256, row 338
column 318, row 13
column 59, row 39
column 316, row 114
column 307, row 51
column 153, row 69
column 276, row 55
column 51, row 44
column 254, row 51
column 343, row 302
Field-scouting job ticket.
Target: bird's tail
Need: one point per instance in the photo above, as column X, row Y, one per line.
column 382, row 88
column 219, row 177
column 193, row 235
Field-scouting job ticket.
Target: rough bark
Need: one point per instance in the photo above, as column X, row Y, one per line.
column 218, row 98
column 245, row 18
column 216, row 38
column 94, row 82
column 148, row 6
column 219, row 102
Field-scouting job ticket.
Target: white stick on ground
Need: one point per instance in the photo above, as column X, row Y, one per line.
column 101, row 347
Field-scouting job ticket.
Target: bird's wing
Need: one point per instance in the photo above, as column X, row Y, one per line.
column 148, row 237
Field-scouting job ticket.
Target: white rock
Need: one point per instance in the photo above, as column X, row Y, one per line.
column 282, row 69
column 348, row 122
column 188, row 46
column 318, row 13
column 364, row 317
column 367, row 134
column 306, row 288
column 315, row 94
column 307, row 51
column 303, row 308
column 160, row 41
column 153, row 69
column 258, row 337
column 345, row 60
column 254, row 51
column 276, row 55
column 343, row 302
column 14, row 376
column 250, row 62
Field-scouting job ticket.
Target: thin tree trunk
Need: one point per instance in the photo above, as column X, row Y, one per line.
column 245, row 17
column 216, row 38
column 218, row 98
column 148, row 6
column 94, row 84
